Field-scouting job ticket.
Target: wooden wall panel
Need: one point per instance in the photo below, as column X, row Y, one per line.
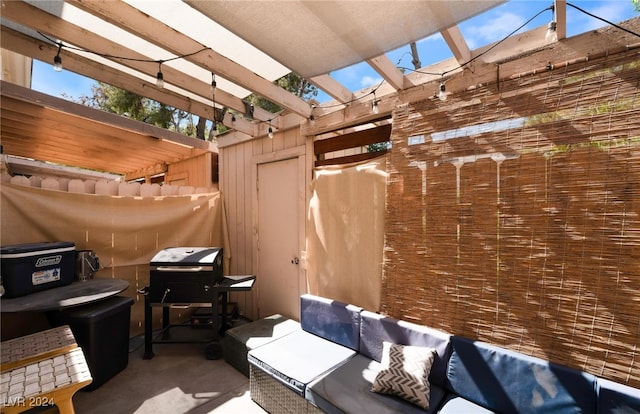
column 198, row 171
column 237, row 183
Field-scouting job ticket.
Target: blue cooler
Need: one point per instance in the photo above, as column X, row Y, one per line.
column 32, row 267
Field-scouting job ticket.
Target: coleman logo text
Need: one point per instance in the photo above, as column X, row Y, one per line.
column 48, row 261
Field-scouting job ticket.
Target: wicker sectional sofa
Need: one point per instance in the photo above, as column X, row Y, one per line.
column 330, row 363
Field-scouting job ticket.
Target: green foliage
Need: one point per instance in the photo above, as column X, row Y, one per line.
column 593, row 109
column 379, row 146
column 603, row 145
column 118, row 101
column 609, row 107
column 291, row 82
column 636, row 5
column 581, row 78
column 543, row 118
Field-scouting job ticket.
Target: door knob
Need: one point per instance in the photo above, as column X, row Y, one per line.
column 295, row 261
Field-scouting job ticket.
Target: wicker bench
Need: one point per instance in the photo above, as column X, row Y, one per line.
column 45, row 368
column 240, row 340
column 274, row 397
column 281, row 370
column 304, row 372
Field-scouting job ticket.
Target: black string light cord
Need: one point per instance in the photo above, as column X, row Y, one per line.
column 519, row 28
column 373, row 91
column 442, row 74
column 604, row 20
column 109, row 56
column 468, row 62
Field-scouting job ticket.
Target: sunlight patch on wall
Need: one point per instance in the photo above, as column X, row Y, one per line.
column 478, row 129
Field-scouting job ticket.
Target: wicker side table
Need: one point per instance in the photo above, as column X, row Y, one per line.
column 274, row 397
column 42, row 369
column 240, row 340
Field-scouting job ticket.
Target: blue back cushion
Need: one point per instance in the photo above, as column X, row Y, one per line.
column 510, row 382
column 330, row 319
column 375, row 329
column 614, row 398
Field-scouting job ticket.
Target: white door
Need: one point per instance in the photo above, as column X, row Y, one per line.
column 278, row 234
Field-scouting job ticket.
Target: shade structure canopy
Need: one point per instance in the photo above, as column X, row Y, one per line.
column 317, row 37
column 242, row 46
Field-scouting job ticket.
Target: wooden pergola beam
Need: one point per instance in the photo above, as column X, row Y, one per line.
column 560, row 7
column 333, row 88
column 31, row 128
column 394, row 76
column 160, row 168
column 154, row 31
column 352, row 140
column 35, row 18
column 454, row 39
column 21, row 94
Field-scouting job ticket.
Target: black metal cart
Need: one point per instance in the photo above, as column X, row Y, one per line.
column 218, row 294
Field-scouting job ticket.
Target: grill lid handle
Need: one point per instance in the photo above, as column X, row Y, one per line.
column 180, row 268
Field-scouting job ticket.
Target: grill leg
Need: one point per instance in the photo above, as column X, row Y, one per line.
column 224, row 323
column 215, row 318
column 148, row 319
column 214, row 349
column 166, row 319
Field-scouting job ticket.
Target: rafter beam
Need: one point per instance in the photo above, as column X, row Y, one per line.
column 560, row 7
column 156, row 169
column 457, row 44
column 394, row 76
column 333, row 88
column 154, row 31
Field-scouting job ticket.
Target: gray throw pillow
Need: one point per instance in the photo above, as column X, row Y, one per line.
column 405, row 373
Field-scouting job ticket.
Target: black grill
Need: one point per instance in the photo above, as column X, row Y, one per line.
column 185, row 274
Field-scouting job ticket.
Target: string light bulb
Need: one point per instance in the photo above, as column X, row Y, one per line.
column 270, row 130
column 160, row 76
column 442, row 94
column 57, row 60
column 214, row 85
column 312, row 117
column 374, row 103
column 552, row 33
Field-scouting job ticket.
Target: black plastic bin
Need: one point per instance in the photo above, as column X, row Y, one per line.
column 102, row 330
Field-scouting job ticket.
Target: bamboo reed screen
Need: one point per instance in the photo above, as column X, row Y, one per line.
column 526, row 233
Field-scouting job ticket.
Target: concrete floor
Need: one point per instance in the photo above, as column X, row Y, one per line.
column 178, row 379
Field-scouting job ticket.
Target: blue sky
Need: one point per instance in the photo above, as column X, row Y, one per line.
column 486, row 28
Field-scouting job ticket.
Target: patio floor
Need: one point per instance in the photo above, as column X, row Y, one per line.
column 178, row 379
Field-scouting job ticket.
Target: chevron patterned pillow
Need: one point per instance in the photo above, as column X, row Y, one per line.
column 405, row 373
